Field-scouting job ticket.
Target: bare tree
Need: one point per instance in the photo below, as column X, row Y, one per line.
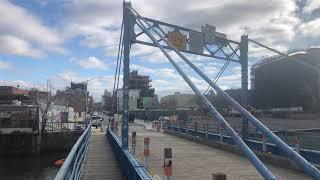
column 44, row 100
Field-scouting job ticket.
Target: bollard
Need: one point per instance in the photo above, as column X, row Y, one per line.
column 133, row 141
column 167, row 163
column 146, row 153
column 297, row 144
column 158, row 126
column 101, row 127
column 219, row 176
column 264, row 143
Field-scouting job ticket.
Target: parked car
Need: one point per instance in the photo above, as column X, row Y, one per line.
column 164, row 118
column 96, row 120
column 164, row 121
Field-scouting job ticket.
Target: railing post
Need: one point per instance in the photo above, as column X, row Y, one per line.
column 167, row 163
column 146, row 153
column 297, row 144
column 264, row 143
column 221, row 133
column 134, row 142
column 207, row 132
column 186, row 126
column 196, row 129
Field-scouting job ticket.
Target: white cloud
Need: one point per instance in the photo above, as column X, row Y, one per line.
column 311, row 5
column 311, row 28
column 98, row 22
column 5, row 65
column 32, row 37
column 92, row 63
column 15, row 46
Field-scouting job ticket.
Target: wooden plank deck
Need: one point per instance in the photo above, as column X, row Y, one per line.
column 197, row 161
column 100, row 163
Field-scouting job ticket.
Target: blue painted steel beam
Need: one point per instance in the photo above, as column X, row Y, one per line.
column 304, row 164
column 127, row 24
column 244, row 81
column 179, row 27
column 263, row 170
column 187, row 51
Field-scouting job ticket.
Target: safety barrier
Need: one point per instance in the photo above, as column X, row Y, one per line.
column 71, row 168
column 310, row 155
column 129, row 164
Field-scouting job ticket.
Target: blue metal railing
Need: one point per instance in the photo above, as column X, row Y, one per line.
column 129, row 164
column 71, row 168
column 310, row 155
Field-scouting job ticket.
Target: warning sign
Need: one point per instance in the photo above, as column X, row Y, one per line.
column 178, row 40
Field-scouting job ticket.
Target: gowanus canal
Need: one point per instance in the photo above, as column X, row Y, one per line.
column 36, row 167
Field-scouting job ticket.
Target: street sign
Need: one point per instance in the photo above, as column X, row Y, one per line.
column 220, row 38
column 178, row 40
column 220, row 35
column 208, row 31
column 196, row 42
column 212, row 37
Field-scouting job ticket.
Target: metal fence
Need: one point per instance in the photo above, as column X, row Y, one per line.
column 71, row 168
column 130, row 166
column 256, row 144
column 301, row 138
column 64, row 126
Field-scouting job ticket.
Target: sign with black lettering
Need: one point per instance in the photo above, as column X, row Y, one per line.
column 178, row 40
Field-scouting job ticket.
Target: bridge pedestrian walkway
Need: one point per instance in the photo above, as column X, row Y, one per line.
column 192, row 160
column 100, row 163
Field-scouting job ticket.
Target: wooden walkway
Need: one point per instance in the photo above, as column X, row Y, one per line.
column 100, row 163
column 193, row 161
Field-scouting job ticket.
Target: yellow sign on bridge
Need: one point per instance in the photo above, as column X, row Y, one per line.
column 178, row 40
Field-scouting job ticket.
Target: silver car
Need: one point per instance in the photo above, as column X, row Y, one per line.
column 96, row 120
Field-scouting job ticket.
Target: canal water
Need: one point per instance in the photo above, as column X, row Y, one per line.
column 30, row 167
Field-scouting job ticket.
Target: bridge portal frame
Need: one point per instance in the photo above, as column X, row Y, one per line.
column 233, row 51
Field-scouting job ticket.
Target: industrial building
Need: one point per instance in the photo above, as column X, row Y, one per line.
column 141, row 95
column 141, row 82
column 282, row 82
column 178, row 100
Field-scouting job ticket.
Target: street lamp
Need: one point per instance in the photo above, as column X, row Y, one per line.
column 86, row 83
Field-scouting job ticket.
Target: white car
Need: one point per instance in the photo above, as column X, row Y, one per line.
column 164, row 121
column 96, row 120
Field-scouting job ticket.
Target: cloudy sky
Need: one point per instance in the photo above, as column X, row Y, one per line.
column 75, row 40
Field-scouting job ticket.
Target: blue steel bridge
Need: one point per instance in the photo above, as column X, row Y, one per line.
column 197, row 153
